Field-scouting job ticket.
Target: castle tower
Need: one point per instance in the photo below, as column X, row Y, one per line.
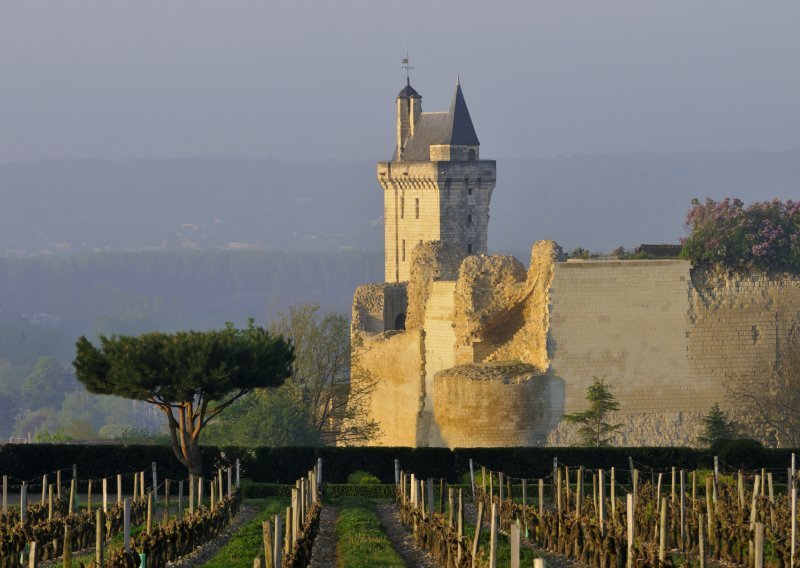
column 436, row 187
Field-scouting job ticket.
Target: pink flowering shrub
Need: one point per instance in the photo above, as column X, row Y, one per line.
column 764, row 235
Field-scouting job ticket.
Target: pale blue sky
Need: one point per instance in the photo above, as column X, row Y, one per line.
column 316, row 80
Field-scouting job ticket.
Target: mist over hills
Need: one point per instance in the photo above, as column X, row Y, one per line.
column 594, row 201
column 93, row 246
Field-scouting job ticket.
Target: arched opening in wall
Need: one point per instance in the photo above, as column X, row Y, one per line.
column 471, row 155
column 400, row 321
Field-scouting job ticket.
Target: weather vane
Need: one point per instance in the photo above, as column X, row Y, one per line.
column 407, row 66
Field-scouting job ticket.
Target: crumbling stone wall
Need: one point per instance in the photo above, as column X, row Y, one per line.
column 667, row 339
column 502, row 312
column 395, row 359
column 493, row 404
column 430, row 261
column 376, row 306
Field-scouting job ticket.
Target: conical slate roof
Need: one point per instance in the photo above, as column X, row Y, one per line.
column 408, row 92
column 453, row 128
column 462, row 133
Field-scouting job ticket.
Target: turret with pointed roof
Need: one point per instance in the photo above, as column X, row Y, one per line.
column 435, row 135
column 436, row 187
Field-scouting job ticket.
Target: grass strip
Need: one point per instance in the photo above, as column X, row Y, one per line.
column 248, row 541
column 503, row 549
column 362, row 542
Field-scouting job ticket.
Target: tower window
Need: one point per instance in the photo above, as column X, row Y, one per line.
column 402, row 207
column 469, row 248
column 469, row 191
column 416, row 205
column 469, row 219
column 404, row 250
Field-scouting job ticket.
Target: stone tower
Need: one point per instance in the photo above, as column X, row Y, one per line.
column 436, row 187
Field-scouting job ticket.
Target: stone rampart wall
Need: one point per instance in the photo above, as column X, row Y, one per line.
column 395, row 359
column 667, row 339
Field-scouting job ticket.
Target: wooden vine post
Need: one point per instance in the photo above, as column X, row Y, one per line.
column 32, row 561
column 476, row 538
column 701, row 541
column 493, row 537
column 149, row 513
column 460, row 527
column 683, row 511
column 601, row 501
column 662, row 532
column 126, row 535
column 515, row 538
column 759, row 543
column 67, row 556
column 630, row 529
column 613, row 494
column 99, row 538
column 277, row 554
column 269, row 552
column 710, row 512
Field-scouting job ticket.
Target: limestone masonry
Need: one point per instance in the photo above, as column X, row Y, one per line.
column 473, row 350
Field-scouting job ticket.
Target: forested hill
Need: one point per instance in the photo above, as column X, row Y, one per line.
column 140, row 291
column 47, row 302
column 597, row 202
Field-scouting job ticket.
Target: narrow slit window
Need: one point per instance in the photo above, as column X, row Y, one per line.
column 404, row 250
column 469, row 219
column 469, row 250
column 402, row 207
column 469, row 191
column 416, row 206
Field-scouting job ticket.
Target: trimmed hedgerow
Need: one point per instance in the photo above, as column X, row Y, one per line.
column 285, row 465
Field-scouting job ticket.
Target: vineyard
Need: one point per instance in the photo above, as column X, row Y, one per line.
column 483, row 517
column 57, row 527
column 673, row 518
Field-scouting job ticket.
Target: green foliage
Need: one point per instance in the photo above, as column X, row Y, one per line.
column 362, row 478
column 761, row 236
column 325, row 374
column 332, row 490
column 46, row 385
column 42, row 420
column 285, row 465
column 745, row 454
column 135, row 292
column 268, row 417
column 593, row 428
column 180, row 367
column 248, row 541
column 717, row 428
column 580, row 253
column 43, row 436
column 361, row 539
column 185, row 371
column 8, row 413
column 503, row 548
column 321, row 403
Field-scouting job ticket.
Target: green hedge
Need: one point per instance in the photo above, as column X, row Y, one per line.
column 332, row 490
column 284, row 465
column 368, row 491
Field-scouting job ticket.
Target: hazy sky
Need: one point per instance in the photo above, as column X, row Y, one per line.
column 316, row 80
